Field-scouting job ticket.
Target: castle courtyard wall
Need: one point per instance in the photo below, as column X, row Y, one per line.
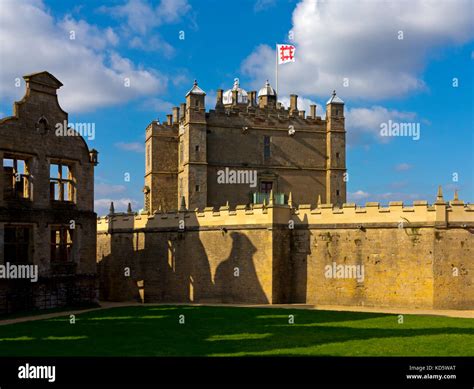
column 416, row 256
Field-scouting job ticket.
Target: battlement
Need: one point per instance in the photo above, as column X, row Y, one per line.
column 420, row 213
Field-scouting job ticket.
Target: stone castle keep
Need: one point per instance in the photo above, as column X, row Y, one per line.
column 290, row 238
column 288, row 152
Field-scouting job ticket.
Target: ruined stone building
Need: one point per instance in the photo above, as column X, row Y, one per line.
column 47, row 221
column 209, row 158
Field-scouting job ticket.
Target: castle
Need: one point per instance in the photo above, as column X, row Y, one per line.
column 201, row 159
column 283, row 232
column 243, row 204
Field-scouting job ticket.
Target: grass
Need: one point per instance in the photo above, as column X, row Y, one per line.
column 236, row 331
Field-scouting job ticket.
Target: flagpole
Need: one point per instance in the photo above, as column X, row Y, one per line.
column 276, row 71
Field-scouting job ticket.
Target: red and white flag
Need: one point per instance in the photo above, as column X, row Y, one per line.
column 285, row 53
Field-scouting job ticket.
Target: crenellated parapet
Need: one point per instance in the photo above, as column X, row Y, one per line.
column 440, row 214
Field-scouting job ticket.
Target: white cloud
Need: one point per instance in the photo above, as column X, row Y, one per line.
column 142, row 17
column 133, row 146
column 304, row 105
column 103, row 189
column 93, row 73
column 359, row 41
column 361, row 122
column 401, row 167
column 357, row 196
column 361, row 197
column 158, row 105
column 155, row 43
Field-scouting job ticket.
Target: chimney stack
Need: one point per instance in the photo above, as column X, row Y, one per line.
column 234, row 97
column 252, row 95
column 219, row 103
column 293, row 104
column 312, row 111
column 175, row 114
column 169, row 120
column 182, row 110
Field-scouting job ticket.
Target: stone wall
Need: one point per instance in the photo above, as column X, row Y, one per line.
column 416, row 256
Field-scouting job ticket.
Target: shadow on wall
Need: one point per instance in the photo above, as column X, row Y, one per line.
column 174, row 266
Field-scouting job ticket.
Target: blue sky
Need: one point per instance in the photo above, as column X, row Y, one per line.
column 353, row 47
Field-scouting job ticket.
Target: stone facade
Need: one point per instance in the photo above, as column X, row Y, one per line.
column 46, row 203
column 417, row 256
column 289, row 151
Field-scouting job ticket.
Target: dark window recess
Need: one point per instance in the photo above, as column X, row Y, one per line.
column 17, row 247
column 61, row 183
column 266, row 147
column 337, row 192
column 148, row 155
column 198, row 188
column 16, row 179
column 196, row 148
column 337, row 155
column 266, row 186
column 61, row 244
column 181, row 152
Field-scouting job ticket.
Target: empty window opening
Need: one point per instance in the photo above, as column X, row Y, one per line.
column 17, row 244
column 17, row 182
column 61, row 244
column 61, row 183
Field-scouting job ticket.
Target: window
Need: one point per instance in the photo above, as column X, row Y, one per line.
column 266, row 147
column 196, row 148
column 61, row 244
column 266, row 186
column 337, row 155
column 337, row 192
column 16, row 179
column 337, row 112
column 180, row 188
column 61, row 183
column 148, row 155
column 198, row 188
column 17, row 244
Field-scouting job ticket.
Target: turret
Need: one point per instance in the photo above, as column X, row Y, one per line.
column 335, row 151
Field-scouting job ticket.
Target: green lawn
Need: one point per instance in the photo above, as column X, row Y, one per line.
column 232, row 331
